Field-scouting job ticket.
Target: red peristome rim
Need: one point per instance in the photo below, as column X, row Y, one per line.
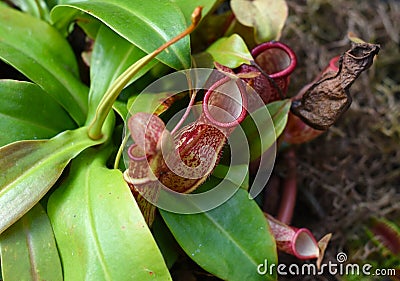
column 134, row 158
column 243, row 113
column 333, row 63
column 277, row 45
column 293, row 246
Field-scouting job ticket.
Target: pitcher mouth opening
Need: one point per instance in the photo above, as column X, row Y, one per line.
column 275, row 58
column 231, row 110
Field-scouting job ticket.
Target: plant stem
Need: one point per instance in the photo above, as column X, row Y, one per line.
column 105, row 105
column 120, row 150
column 289, row 192
column 191, row 102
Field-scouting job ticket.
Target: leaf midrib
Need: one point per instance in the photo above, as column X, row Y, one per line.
column 65, row 83
column 93, row 233
column 44, row 161
column 29, row 244
column 207, row 214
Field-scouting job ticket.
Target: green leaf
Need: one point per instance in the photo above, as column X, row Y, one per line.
column 230, row 51
column 28, row 249
column 234, row 176
column 65, row 22
column 89, row 25
column 36, row 8
column 100, row 231
column 165, row 241
column 202, row 60
column 27, row 112
column 30, row 168
column 279, row 111
column 51, row 3
column 229, row 241
column 148, row 102
column 260, row 137
column 121, row 109
column 146, row 24
column 266, row 16
column 187, row 7
column 212, row 28
column 38, row 51
column 111, row 56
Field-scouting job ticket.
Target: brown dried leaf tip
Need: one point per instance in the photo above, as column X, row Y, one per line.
column 325, row 101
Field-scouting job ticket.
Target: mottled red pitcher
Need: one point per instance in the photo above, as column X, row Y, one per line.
column 275, row 61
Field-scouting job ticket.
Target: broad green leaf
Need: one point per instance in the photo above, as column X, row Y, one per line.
column 89, row 25
column 28, row 112
column 148, row 102
column 187, row 7
column 261, row 138
column 211, row 28
column 165, row 241
column 279, row 111
column 65, row 22
column 36, row 8
column 30, row 168
column 229, row 241
column 111, row 56
column 28, row 249
column 230, row 51
column 121, row 109
column 202, row 60
column 51, row 3
column 99, row 229
column 266, row 16
column 235, row 176
column 38, row 51
column 146, row 24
